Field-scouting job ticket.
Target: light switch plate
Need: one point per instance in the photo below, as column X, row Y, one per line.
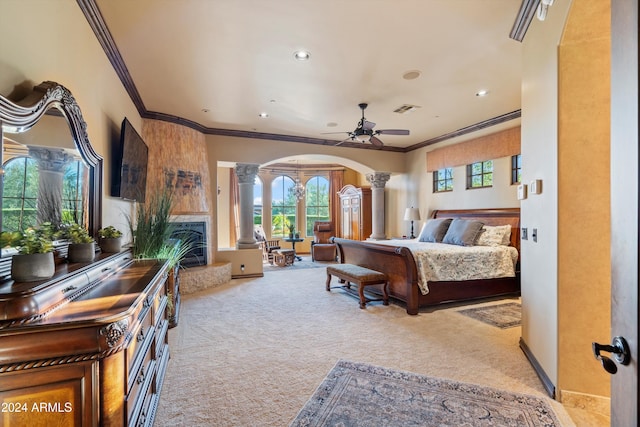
column 535, row 186
column 522, row 191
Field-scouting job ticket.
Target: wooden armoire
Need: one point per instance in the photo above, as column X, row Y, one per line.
column 355, row 212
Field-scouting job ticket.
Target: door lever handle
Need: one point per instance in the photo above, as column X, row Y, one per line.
column 618, row 348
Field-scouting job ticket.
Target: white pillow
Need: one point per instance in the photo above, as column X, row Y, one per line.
column 494, row 235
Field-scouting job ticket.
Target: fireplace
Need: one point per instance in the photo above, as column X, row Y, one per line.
column 195, row 234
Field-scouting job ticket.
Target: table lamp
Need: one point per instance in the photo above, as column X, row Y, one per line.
column 412, row 214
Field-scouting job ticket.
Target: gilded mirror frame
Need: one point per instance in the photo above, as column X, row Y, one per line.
column 20, row 116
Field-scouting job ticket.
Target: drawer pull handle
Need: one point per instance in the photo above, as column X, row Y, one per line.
column 140, row 336
column 140, row 379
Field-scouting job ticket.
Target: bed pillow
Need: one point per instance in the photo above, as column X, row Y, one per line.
column 463, row 232
column 494, row 235
column 434, row 230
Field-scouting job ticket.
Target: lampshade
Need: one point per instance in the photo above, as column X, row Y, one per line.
column 412, row 214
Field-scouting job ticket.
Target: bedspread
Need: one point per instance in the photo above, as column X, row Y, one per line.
column 443, row 262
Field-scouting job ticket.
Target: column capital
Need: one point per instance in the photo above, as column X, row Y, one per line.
column 246, row 172
column 378, row 179
column 51, row 159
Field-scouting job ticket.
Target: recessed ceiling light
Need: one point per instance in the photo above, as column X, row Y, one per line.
column 301, row 55
column 263, row 115
column 205, row 110
column 332, row 124
column 410, row 75
column 482, row 92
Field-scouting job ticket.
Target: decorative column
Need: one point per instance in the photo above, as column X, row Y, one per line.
column 378, row 181
column 246, row 174
column 51, row 166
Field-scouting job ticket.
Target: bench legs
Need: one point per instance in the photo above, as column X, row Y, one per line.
column 361, row 286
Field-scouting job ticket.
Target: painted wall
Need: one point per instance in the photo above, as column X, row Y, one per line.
column 51, row 40
column 584, row 203
column 539, row 265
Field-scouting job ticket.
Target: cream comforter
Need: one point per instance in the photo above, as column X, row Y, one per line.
column 444, row 262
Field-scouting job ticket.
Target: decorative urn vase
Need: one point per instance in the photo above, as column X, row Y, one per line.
column 111, row 244
column 32, row 267
column 81, row 252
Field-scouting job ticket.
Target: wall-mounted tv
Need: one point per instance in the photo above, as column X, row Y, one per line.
column 129, row 166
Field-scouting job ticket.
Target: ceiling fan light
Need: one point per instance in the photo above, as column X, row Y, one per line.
column 363, row 138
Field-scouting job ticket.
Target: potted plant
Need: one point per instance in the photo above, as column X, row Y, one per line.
column 110, row 239
column 81, row 244
column 34, row 260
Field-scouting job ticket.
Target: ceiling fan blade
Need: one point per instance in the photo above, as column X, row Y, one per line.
column 375, row 141
column 393, row 131
column 350, row 138
column 333, row 133
column 368, row 125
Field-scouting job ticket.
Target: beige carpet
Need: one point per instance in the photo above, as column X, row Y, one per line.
column 252, row 352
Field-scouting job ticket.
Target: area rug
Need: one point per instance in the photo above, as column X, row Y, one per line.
column 358, row 394
column 501, row 316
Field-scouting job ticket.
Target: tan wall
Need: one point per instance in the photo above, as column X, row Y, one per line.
column 51, row 40
column 584, row 266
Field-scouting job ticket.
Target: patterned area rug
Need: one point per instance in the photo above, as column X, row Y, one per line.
column 357, row 394
column 501, row 316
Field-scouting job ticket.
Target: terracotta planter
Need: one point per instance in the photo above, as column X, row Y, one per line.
column 32, row 267
column 111, row 244
column 81, row 252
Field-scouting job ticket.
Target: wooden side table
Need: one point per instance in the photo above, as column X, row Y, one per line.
column 284, row 257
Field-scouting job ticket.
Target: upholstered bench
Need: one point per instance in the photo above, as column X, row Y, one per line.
column 360, row 276
column 283, row 257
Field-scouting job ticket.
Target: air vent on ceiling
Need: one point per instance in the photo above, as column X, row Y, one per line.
column 405, row 108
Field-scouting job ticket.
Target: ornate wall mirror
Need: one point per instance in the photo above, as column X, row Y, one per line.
column 50, row 171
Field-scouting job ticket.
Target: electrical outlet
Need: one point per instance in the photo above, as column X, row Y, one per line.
column 524, row 234
column 242, row 267
column 534, row 234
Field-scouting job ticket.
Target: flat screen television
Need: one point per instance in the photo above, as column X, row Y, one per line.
column 129, row 171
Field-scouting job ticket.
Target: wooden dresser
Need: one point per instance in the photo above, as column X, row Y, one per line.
column 355, row 210
column 87, row 347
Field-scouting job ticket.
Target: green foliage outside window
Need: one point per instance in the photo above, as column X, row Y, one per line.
column 480, row 174
column 20, row 194
column 443, row 180
column 283, row 206
column 317, row 201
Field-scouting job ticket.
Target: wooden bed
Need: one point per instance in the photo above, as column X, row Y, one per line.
column 399, row 264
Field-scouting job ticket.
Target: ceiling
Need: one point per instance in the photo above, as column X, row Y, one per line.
column 215, row 65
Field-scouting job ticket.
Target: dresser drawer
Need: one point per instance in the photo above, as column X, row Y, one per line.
column 144, row 378
column 138, row 348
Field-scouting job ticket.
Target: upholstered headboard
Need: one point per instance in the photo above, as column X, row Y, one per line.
column 501, row 216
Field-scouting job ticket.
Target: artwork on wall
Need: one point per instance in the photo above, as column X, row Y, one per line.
column 187, row 186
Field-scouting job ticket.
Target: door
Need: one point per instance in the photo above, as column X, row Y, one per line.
column 624, row 206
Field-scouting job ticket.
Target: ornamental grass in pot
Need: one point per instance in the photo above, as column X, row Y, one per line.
column 34, row 260
column 110, row 239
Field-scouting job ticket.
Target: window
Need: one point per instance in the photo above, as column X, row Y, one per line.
column 317, row 201
column 72, row 184
column 20, row 193
column 516, row 169
column 283, row 206
column 257, row 201
column 480, row 174
column 443, row 180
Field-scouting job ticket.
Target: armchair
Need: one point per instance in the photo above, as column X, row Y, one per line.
column 267, row 246
column 321, row 248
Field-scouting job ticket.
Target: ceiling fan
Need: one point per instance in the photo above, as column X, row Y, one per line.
column 364, row 131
